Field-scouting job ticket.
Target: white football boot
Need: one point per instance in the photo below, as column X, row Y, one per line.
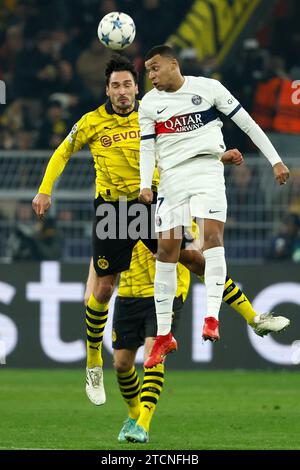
column 94, row 385
column 266, row 323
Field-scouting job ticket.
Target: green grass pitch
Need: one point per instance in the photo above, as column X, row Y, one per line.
column 48, row 409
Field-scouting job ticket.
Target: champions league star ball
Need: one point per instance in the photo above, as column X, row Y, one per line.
column 116, row 30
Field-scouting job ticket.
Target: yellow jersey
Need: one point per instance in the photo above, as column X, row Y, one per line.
column 138, row 280
column 114, row 141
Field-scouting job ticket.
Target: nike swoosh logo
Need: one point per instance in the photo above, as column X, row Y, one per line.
column 213, row 212
column 163, row 300
column 218, row 284
column 159, row 112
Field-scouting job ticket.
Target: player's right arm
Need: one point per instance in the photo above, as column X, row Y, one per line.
column 147, row 154
column 228, row 105
column 76, row 139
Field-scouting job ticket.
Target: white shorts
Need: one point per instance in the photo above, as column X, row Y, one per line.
column 196, row 188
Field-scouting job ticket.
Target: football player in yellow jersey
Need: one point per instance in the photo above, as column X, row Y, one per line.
column 134, row 325
column 112, row 133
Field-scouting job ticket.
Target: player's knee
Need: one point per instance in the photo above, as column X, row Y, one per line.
column 212, row 240
column 166, row 254
column 103, row 292
column 121, row 365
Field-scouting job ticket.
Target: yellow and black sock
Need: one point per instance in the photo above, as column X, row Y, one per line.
column 129, row 384
column 150, row 393
column 96, row 317
column 234, row 297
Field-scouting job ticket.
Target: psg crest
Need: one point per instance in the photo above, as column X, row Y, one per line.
column 196, row 99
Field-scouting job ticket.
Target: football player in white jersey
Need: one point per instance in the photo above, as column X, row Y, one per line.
column 180, row 128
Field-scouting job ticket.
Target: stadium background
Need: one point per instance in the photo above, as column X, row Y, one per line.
column 52, row 66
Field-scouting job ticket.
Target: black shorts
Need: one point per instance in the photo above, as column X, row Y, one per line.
column 112, row 254
column 134, row 320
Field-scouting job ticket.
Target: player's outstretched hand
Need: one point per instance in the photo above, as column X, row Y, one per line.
column 146, row 196
column 233, row 157
column 41, row 204
column 281, row 173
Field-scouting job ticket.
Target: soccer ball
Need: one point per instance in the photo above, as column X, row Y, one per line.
column 116, row 30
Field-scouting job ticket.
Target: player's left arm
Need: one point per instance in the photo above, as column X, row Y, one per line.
column 147, row 154
column 71, row 144
column 227, row 104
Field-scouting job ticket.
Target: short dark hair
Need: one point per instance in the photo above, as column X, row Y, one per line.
column 119, row 63
column 163, row 50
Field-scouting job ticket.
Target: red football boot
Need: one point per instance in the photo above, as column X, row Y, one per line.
column 163, row 345
column 211, row 329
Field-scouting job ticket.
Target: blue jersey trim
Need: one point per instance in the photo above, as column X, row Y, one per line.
column 234, row 111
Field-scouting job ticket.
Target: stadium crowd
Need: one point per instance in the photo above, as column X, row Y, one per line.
column 51, row 62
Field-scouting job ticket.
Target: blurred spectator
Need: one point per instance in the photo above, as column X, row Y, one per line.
column 13, row 117
column 35, row 244
column 9, row 51
column 19, row 121
column 54, row 128
column 24, row 214
column 291, row 52
column 243, row 192
column 134, row 53
column 60, row 39
column 275, row 67
column 107, row 6
column 294, row 191
column 65, row 215
column 36, row 69
column 69, row 91
column 274, row 108
column 90, row 67
column 147, row 19
column 265, row 101
column 190, row 64
column 285, row 245
column 287, row 117
column 25, row 140
column 243, row 76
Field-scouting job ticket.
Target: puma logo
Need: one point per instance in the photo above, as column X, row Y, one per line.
column 95, row 347
column 149, row 407
column 245, row 300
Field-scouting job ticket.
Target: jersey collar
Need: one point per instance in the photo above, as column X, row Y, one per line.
column 109, row 109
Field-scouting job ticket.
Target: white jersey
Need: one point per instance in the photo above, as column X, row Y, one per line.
column 185, row 123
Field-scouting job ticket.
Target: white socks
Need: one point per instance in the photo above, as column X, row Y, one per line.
column 165, row 286
column 214, row 276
